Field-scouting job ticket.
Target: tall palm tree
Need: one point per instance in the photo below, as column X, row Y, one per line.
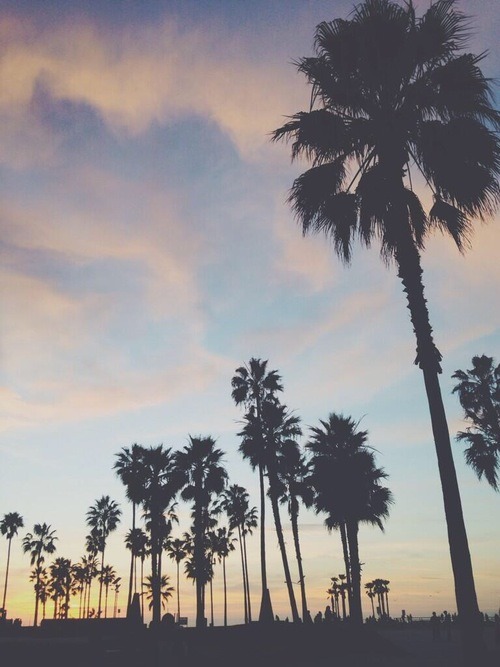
column 293, row 475
column 478, row 390
column 103, row 517
column 176, row 550
column 348, row 489
column 38, row 543
column 369, row 586
column 393, row 93
column 40, row 578
column 252, row 384
column 266, row 436
column 200, row 464
column 130, row 469
column 9, row 526
column 161, row 485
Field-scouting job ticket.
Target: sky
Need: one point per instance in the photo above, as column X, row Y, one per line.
column 147, row 251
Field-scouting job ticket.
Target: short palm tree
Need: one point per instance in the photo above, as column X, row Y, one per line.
column 107, row 577
column 234, row 501
column 223, row 543
column 38, row 543
column 9, row 526
column 393, row 93
column 478, row 390
column 130, row 469
column 347, row 487
column 166, row 590
column 251, row 385
column 136, row 542
column 103, row 517
column 61, row 580
column 200, row 465
column 176, row 550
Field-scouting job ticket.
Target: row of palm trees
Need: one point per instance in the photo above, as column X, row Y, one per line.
column 335, row 473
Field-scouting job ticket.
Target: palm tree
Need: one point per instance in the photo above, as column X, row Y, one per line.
column 136, row 541
column 371, row 594
column 479, row 394
column 9, row 526
column 200, row 464
column 41, row 583
column 166, row 590
column 347, row 488
column 116, row 586
column 130, row 469
column 223, row 543
column 103, row 517
column 161, row 484
column 392, row 92
column 252, row 384
column 41, row 541
column 266, row 436
column 176, row 550
column 107, row 578
column 61, row 573
column 234, row 502
column 293, row 477
column 79, row 576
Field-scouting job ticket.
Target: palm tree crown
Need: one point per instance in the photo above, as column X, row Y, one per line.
column 478, row 390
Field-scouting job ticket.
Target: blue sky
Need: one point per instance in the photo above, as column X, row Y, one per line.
column 147, row 251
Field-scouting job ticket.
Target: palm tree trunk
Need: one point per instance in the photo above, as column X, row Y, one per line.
column 132, row 559
column 428, row 359
column 294, row 511
column 373, row 608
column 356, row 612
column 240, row 539
column 265, row 614
column 199, row 555
column 347, row 564
column 211, row 603
column 37, row 593
column 100, row 586
column 142, row 584
column 178, row 593
column 247, row 580
column 284, row 558
column 225, row 589
column 106, row 601
column 6, row 577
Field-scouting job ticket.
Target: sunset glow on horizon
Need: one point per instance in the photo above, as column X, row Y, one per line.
column 147, row 251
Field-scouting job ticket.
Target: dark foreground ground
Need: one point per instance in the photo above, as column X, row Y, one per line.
column 239, row 646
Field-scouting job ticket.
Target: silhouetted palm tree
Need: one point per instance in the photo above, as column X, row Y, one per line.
column 252, row 384
column 116, row 587
column 9, row 526
column 479, row 394
column 107, row 577
column 234, row 502
column 200, row 464
column 41, row 541
column 130, row 469
column 161, row 485
column 347, row 488
column 266, row 436
column 135, row 541
column 61, row 580
column 166, row 590
column 103, row 517
column 295, row 485
column 371, row 594
column 176, row 550
column 223, row 544
column 392, row 92
column 41, row 584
